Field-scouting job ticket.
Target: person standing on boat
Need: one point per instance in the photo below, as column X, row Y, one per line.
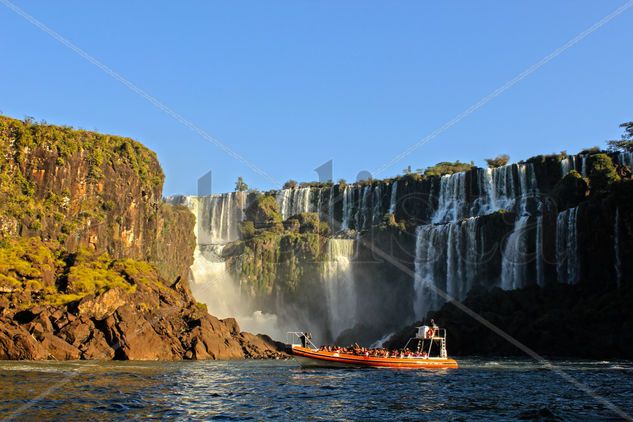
column 303, row 338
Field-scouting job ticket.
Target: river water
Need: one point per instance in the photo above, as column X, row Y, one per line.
column 481, row 389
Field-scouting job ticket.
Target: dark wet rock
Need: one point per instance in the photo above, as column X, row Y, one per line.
column 560, row 320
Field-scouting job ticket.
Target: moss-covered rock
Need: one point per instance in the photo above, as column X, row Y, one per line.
column 263, row 211
column 603, row 172
column 570, row 190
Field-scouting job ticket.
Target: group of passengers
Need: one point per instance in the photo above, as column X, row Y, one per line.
column 357, row 350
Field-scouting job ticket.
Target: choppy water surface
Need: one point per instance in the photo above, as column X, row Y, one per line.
column 481, row 389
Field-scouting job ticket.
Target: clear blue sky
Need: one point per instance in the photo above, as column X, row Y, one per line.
column 292, row 84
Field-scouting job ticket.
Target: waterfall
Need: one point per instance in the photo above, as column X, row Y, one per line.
column 503, row 186
column 330, row 209
column 218, row 216
column 565, row 166
column 376, row 209
column 347, row 207
column 499, row 189
column 452, row 198
column 567, row 246
column 448, row 251
column 625, row 159
column 363, row 209
column 340, row 286
column 515, row 258
column 283, row 199
column 446, row 258
column 217, row 219
column 540, row 275
column 616, row 248
column 515, row 255
column 295, row 201
column 393, row 197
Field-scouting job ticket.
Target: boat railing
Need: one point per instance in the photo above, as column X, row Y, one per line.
column 430, row 333
column 303, row 337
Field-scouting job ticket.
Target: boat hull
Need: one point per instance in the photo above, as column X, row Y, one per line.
column 314, row 358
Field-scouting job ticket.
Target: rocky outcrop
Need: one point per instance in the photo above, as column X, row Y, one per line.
column 93, row 263
column 152, row 323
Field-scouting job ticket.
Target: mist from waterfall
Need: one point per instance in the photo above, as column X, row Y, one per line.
column 340, row 286
column 217, row 223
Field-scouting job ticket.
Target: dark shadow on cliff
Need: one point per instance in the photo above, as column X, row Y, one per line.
column 560, row 320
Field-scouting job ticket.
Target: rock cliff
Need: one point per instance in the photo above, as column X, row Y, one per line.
column 93, row 263
column 355, row 262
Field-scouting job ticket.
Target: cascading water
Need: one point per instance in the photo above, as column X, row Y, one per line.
column 513, row 266
column 448, row 251
column 362, row 210
column 566, row 165
column 451, row 202
column 294, row 201
column 540, row 274
column 217, row 222
column 446, row 259
column 393, row 197
column 567, row 246
column 376, row 212
column 625, row 159
column 347, row 207
column 515, row 254
column 340, row 285
column 616, row 248
column 500, row 189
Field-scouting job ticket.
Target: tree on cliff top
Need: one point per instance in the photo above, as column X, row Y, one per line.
column 290, row 184
column 626, row 143
column 240, row 186
column 602, row 173
column 498, row 161
column 446, row 167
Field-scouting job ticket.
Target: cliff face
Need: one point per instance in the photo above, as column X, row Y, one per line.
column 93, row 264
column 85, row 189
column 549, row 220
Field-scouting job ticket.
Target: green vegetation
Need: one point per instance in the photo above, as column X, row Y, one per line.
column 498, row 161
column 626, row 143
column 603, row 172
column 307, row 222
column 264, row 213
column 27, row 152
column 591, row 150
column 52, row 275
column 240, row 186
column 445, row 167
column 247, row 229
column 439, row 169
column 570, row 190
column 290, row 184
column 98, row 150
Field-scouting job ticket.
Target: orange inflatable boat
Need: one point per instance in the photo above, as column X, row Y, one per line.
column 420, row 352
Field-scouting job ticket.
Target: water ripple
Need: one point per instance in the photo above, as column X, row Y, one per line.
column 499, row 389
